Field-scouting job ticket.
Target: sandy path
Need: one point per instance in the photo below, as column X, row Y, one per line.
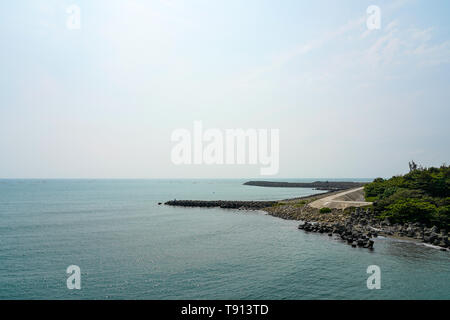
column 342, row 200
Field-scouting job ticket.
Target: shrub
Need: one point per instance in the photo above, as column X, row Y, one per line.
column 410, row 210
column 422, row 195
column 325, row 210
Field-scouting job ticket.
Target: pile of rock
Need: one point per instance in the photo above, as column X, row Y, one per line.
column 362, row 225
column 433, row 236
column 315, row 227
column 249, row 205
column 363, row 218
column 306, row 213
column 345, row 232
column 355, row 238
column 366, row 220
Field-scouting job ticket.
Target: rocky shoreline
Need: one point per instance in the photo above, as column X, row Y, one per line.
column 346, row 233
column 359, row 226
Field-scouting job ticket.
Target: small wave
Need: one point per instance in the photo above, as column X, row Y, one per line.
column 429, row 245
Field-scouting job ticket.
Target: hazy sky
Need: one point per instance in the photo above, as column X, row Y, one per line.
column 102, row 101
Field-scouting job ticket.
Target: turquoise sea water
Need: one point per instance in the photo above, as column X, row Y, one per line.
column 129, row 247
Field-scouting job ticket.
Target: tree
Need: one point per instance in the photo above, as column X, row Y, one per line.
column 412, row 166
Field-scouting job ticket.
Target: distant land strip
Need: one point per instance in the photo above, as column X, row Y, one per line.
column 318, row 185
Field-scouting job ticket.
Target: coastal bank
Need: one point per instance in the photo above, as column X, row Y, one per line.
column 343, row 214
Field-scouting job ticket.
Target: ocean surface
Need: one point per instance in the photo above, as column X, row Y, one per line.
column 129, row 247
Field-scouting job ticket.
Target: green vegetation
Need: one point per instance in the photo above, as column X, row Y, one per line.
column 422, row 195
column 349, row 210
column 279, row 204
column 300, row 204
column 325, row 210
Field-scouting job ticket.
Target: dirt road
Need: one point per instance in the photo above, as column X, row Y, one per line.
column 342, row 200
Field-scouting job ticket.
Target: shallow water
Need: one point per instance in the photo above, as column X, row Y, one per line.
column 129, row 247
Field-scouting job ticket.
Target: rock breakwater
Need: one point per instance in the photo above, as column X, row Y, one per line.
column 249, row 205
